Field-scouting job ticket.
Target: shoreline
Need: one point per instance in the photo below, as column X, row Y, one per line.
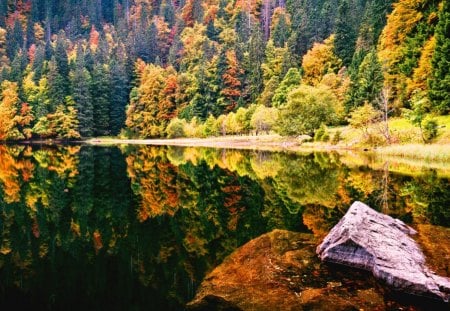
column 259, row 143
column 436, row 152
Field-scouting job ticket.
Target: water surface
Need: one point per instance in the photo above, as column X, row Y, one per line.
column 139, row 227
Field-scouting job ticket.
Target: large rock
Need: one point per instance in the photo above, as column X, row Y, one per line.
column 372, row 241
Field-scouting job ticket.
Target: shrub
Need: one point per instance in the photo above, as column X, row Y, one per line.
column 430, row 130
column 175, row 129
column 322, row 134
column 336, row 137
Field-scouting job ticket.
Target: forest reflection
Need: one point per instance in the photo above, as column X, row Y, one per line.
column 143, row 225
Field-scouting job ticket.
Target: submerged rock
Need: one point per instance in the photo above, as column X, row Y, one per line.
column 376, row 242
column 281, row 271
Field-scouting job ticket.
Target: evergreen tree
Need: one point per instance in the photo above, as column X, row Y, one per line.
column 281, row 29
column 291, row 80
column 100, row 90
column 81, row 94
column 62, row 63
column 3, row 12
column 18, row 66
column 243, row 26
column 15, row 39
column 56, row 86
column 167, row 11
column 439, row 83
column 345, row 35
column 368, row 82
column 37, row 10
column 120, row 89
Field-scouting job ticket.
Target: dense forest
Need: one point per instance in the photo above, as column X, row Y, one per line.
column 156, row 68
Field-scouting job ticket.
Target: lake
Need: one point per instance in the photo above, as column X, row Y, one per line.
column 139, row 227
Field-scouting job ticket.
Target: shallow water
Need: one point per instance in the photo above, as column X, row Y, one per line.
column 139, row 227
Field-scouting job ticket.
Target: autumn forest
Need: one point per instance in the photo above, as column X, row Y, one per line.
column 173, row 68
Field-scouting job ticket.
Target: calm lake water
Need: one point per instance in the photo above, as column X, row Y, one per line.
column 136, row 228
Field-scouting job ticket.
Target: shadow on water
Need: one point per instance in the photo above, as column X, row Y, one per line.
column 140, row 227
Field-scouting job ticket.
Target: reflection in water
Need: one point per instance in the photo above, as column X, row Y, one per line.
column 141, row 226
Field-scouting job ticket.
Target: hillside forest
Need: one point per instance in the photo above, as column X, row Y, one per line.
column 171, row 68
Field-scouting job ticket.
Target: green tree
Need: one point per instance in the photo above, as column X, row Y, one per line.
column 306, row 109
column 345, row 36
column 439, row 84
column 264, row 119
column 120, row 90
column 81, row 92
column 252, row 63
column 101, row 94
column 291, row 80
column 419, row 116
column 62, row 62
column 363, row 117
column 281, row 27
column 368, row 82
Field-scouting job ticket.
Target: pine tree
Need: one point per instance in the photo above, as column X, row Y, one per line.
column 368, row 82
column 120, row 90
column 100, row 91
column 345, row 36
column 62, row 63
column 252, row 64
column 439, row 83
column 56, row 86
column 231, row 91
column 81, row 80
column 15, row 39
column 291, row 80
column 3, row 13
column 167, row 11
column 281, row 28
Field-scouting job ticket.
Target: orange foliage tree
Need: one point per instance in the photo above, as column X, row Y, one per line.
column 231, row 92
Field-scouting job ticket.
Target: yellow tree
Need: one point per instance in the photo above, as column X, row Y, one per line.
column 319, row 61
column 142, row 114
column 418, row 82
column 399, row 40
column 14, row 117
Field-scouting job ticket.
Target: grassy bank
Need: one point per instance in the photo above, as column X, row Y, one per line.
column 406, row 137
column 433, row 152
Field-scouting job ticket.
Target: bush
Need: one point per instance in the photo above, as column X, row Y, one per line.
column 175, row 129
column 336, row 137
column 430, row 130
column 322, row 134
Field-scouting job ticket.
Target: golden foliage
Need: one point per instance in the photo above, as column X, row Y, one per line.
column 11, row 171
column 154, row 180
column 421, row 74
column 319, row 61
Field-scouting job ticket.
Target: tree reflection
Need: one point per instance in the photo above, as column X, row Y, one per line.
column 429, row 196
column 154, row 220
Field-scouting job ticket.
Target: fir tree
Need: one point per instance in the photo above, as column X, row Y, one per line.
column 439, row 83
column 15, row 39
column 81, row 94
column 345, row 36
column 120, row 89
column 100, row 90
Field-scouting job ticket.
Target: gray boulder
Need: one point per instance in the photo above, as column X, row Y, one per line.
column 376, row 242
